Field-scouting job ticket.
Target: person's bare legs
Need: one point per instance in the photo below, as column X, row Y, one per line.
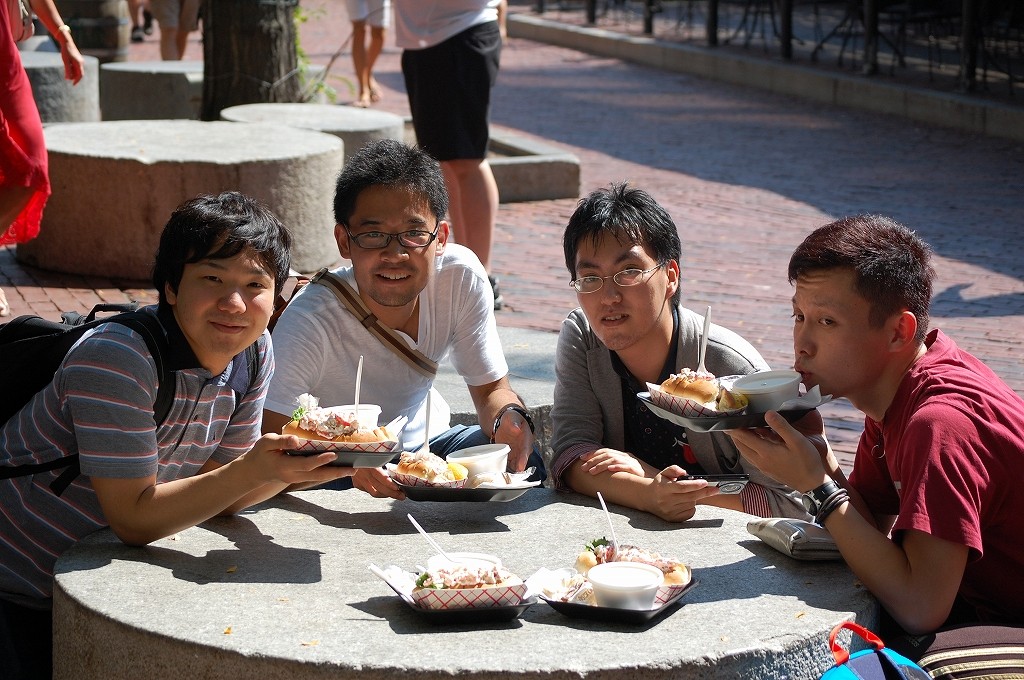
column 181, row 40
column 12, row 202
column 135, row 12
column 376, row 45
column 473, row 205
column 169, row 44
column 359, row 62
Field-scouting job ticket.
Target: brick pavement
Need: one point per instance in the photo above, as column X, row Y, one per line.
column 745, row 174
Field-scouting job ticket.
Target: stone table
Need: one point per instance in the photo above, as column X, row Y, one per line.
column 284, row 592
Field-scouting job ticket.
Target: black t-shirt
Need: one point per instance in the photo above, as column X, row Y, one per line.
column 654, row 440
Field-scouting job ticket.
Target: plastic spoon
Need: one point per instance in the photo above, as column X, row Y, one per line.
column 704, row 341
column 431, row 541
column 426, row 431
column 359, row 381
column 608, row 516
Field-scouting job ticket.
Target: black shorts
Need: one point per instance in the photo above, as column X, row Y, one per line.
column 449, row 87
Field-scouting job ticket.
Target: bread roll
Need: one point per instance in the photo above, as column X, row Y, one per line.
column 467, row 576
column 702, row 388
column 377, row 434
column 600, row 551
column 310, row 421
column 427, row 466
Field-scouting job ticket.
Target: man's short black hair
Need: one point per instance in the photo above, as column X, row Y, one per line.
column 393, row 164
column 891, row 264
column 216, row 228
column 629, row 214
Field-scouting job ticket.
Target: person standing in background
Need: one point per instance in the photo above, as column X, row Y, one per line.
column 177, row 18
column 137, row 9
column 377, row 15
column 24, row 178
column 451, row 53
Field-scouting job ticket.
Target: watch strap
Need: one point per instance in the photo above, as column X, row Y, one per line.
column 816, row 497
column 518, row 409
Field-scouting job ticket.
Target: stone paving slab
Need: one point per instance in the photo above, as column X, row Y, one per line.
column 745, row 174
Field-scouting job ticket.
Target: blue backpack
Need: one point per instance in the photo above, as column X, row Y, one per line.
column 879, row 663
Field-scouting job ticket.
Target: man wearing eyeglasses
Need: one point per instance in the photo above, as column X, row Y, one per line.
column 389, row 205
column 622, row 250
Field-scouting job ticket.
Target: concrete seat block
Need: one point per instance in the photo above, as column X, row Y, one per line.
column 58, row 99
column 151, row 90
column 354, row 126
column 115, row 185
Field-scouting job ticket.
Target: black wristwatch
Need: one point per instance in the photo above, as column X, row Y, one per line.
column 518, row 409
column 814, row 498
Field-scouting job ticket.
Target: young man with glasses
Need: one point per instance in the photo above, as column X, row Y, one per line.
column 389, row 205
column 622, row 250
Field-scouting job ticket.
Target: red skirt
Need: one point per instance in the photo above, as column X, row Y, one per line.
column 22, row 146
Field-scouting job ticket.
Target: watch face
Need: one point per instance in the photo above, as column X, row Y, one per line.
column 809, row 505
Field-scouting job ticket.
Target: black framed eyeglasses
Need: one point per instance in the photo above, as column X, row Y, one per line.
column 375, row 240
column 625, row 278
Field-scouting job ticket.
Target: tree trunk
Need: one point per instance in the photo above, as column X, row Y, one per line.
column 249, row 54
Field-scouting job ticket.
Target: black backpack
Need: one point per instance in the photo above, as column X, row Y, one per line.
column 32, row 348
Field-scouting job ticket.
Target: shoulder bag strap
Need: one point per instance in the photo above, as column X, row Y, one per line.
column 416, row 359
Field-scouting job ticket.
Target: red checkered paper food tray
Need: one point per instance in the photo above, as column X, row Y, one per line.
column 688, row 408
column 469, row 598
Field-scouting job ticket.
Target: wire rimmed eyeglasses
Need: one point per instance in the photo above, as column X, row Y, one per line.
column 625, row 278
column 375, row 240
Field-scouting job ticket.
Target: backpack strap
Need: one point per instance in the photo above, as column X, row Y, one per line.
column 843, row 655
column 418, row 361
column 148, row 326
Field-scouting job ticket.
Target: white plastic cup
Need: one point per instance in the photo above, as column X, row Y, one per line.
column 481, row 459
column 367, row 415
column 625, row 585
column 767, row 390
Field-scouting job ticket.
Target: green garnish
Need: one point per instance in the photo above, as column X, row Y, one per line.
column 597, row 543
column 298, row 413
column 423, row 579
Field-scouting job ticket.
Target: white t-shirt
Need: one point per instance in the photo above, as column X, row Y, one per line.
column 424, row 23
column 317, row 344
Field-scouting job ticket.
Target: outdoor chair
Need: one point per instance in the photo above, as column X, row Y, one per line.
column 932, row 21
column 757, row 14
column 1002, row 41
column 851, row 27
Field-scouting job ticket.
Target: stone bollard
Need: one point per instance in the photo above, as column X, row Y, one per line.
column 356, row 127
column 157, row 90
column 115, row 185
column 58, row 100
column 151, row 90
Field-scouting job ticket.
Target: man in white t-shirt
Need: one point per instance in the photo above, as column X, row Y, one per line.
column 389, row 206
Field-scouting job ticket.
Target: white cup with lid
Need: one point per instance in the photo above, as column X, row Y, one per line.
column 625, row 585
column 482, row 459
column 767, row 390
column 367, row 415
